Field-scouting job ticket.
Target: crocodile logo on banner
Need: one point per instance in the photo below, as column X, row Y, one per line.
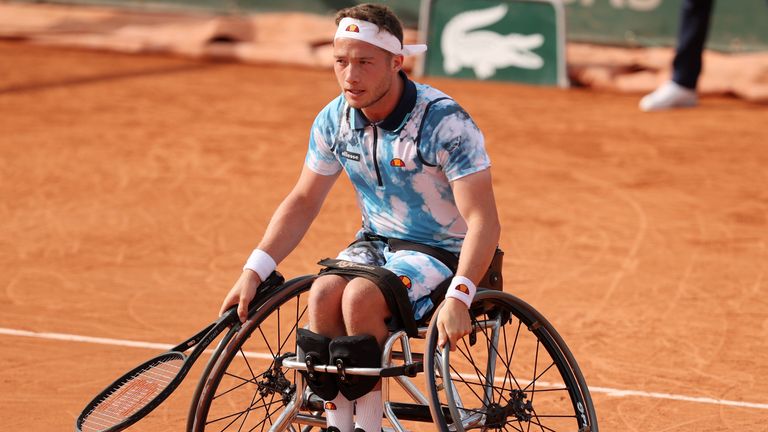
column 464, row 45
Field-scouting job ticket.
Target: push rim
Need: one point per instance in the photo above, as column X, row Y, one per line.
column 529, row 381
column 247, row 388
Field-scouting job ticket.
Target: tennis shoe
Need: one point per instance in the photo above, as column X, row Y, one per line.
column 669, row 95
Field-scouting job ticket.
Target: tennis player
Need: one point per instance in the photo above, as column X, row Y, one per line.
column 421, row 173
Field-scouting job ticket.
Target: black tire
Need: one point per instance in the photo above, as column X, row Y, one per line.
column 536, row 385
column 246, row 388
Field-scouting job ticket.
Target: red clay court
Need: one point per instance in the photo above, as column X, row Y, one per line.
column 134, row 186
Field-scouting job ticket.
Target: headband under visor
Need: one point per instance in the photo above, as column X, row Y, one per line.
column 351, row 28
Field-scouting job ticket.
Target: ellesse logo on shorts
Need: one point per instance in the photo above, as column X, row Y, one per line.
column 330, row 406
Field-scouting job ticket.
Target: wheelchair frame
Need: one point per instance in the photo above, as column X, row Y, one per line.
column 442, row 402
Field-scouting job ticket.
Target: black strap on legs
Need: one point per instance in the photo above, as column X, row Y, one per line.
column 395, row 293
column 491, row 279
column 393, row 289
column 449, row 259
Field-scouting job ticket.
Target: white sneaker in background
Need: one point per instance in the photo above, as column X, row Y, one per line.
column 669, row 95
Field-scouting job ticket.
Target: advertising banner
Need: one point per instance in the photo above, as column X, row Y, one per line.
column 504, row 40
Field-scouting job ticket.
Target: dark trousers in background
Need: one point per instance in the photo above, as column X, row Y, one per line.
column 692, row 35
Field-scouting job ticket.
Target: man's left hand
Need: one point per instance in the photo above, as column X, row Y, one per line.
column 453, row 323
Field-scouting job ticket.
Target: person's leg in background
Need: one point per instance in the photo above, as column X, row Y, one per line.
column 695, row 16
column 694, row 27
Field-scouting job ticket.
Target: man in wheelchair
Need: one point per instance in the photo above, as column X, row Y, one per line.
column 422, row 178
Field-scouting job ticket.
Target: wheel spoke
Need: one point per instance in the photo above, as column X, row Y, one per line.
column 248, row 393
column 514, row 391
column 535, row 379
column 502, row 383
column 237, row 387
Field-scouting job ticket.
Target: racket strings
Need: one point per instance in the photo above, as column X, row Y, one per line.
column 132, row 393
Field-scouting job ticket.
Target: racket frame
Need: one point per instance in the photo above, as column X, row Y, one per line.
column 199, row 342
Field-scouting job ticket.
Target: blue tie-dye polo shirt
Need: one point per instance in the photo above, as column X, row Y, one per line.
column 401, row 166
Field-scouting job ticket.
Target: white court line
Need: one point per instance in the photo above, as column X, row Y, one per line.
column 107, row 341
column 606, row 390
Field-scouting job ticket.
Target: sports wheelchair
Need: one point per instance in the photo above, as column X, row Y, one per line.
column 512, row 372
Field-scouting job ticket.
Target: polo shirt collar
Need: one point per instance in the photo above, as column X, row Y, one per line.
column 397, row 118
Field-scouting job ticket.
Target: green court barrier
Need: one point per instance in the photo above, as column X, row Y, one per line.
column 508, row 40
column 737, row 25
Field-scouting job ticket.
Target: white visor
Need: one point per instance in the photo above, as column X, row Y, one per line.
column 351, row 28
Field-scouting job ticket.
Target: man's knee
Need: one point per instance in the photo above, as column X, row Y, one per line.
column 324, row 306
column 363, row 297
column 326, row 291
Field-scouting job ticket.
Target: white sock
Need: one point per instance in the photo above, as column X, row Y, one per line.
column 338, row 413
column 369, row 412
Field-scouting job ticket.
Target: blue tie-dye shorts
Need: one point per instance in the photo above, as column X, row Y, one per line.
column 421, row 273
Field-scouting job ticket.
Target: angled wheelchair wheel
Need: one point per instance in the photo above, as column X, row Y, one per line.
column 246, row 388
column 512, row 373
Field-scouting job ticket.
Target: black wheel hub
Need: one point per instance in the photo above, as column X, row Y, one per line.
column 495, row 416
column 519, row 408
column 274, row 381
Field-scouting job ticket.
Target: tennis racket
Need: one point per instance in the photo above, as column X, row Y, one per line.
column 142, row 389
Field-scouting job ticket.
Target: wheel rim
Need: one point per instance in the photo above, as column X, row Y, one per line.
column 532, row 386
column 248, row 388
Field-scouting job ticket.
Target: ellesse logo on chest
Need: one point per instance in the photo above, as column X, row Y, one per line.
column 397, row 163
column 351, row 156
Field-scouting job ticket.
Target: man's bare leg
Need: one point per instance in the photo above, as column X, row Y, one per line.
column 325, row 314
column 365, row 311
column 325, row 318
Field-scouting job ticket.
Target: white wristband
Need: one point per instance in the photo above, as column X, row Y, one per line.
column 261, row 263
column 462, row 289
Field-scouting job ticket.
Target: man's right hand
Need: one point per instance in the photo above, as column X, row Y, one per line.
column 241, row 294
